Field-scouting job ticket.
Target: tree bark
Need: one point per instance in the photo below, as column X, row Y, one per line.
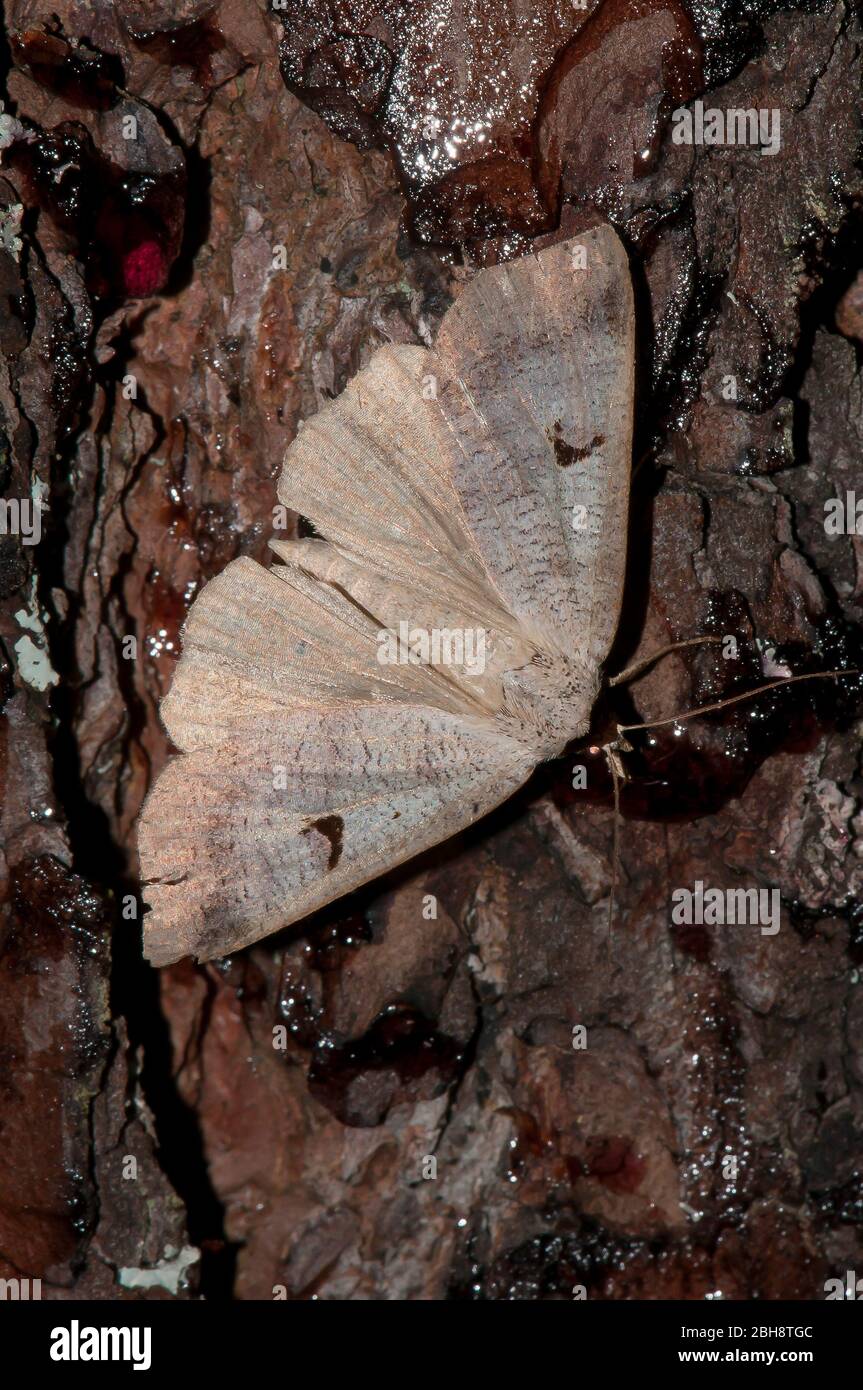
column 211, row 215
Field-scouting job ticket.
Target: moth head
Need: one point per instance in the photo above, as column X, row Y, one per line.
column 548, row 701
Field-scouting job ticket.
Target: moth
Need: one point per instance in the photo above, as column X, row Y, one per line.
column 482, row 488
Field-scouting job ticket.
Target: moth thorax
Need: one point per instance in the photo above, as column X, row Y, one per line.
column 547, row 703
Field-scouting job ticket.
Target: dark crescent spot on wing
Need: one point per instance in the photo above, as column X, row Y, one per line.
column 564, row 453
column 331, row 828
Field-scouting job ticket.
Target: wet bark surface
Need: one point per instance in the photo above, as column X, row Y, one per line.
column 211, row 214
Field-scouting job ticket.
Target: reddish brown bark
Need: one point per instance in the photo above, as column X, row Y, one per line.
column 157, row 360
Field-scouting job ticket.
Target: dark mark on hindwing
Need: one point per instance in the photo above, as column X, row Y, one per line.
column 564, row 453
column 331, row 828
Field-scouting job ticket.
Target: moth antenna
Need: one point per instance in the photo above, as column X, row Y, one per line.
column 736, row 699
column 637, row 667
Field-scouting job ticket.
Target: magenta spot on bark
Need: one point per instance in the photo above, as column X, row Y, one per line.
column 144, row 269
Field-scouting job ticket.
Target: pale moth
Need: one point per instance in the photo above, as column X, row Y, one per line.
column 482, row 485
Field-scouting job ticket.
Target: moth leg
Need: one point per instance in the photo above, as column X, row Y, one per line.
column 613, row 756
column 618, row 774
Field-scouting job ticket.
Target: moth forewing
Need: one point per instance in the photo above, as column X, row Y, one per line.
column 538, row 389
